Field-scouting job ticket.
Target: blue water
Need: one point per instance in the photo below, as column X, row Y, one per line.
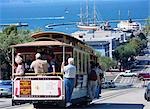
column 38, row 14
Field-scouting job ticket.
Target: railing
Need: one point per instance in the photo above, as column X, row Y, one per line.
column 41, row 74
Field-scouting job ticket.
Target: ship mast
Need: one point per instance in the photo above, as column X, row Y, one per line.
column 129, row 17
column 81, row 15
column 94, row 13
column 87, row 12
column 119, row 14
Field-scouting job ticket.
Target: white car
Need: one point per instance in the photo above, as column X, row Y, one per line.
column 128, row 73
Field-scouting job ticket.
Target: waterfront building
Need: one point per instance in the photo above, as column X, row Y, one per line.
column 103, row 41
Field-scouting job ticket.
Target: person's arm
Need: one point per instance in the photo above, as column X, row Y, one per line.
column 32, row 66
column 98, row 76
column 62, row 67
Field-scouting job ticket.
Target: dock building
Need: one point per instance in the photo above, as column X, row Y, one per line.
column 103, row 41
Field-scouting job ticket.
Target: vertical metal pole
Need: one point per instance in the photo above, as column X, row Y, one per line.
column 13, row 62
column 12, row 70
column 63, row 54
column 64, row 91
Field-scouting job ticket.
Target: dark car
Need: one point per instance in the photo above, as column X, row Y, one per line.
column 144, row 76
column 108, row 84
column 5, row 88
column 147, row 93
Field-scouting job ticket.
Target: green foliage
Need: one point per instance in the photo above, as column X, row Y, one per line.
column 10, row 30
column 142, row 36
column 105, row 62
column 147, row 27
column 10, row 36
column 132, row 48
column 38, row 30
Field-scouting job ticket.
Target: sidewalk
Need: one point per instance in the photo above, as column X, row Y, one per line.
column 113, row 93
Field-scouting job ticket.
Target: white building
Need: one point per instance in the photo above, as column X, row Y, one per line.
column 103, row 41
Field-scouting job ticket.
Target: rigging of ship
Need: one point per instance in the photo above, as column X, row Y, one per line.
column 88, row 25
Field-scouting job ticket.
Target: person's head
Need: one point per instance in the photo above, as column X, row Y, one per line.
column 19, row 54
column 97, row 65
column 18, row 58
column 38, row 56
column 70, row 60
column 92, row 65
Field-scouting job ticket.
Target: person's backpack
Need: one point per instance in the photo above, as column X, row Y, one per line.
column 93, row 75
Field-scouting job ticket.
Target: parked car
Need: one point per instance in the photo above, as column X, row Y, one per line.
column 144, row 76
column 108, row 84
column 147, row 93
column 128, row 73
column 5, row 88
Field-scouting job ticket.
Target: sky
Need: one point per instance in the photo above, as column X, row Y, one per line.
column 39, row 1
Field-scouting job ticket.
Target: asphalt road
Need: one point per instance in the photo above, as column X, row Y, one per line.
column 132, row 98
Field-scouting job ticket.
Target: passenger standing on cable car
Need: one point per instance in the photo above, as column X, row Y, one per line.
column 20, row 66
column 69, row 79
column 40, row 66
column 99, row 80
column 93, row 76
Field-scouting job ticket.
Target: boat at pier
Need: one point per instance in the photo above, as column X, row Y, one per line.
column 129, row 25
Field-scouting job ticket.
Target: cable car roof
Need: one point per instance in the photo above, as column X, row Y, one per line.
column 41, row 43
column 36, row 35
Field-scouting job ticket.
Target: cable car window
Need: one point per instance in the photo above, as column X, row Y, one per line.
column 75, row 58
column 87, row 63
column 80, row 64
column 83, row 62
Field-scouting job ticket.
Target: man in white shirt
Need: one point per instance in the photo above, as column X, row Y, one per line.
column 69, row 79
column 40, row 66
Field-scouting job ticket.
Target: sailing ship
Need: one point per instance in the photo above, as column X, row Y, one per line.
column 66, row 11
column 82, row 25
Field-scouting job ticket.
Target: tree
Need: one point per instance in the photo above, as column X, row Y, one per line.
column 125, row 52
column 147, row 27
column 105, row 62
column 10, row 30
column 142, row 36
column 10, row 36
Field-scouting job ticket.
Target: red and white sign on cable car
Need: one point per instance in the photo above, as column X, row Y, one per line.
column 38, row 87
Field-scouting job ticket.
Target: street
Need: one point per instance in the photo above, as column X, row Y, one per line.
column 112, row 98
column 132, row 98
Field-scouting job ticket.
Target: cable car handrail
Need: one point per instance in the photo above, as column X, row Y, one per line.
column 40, row 74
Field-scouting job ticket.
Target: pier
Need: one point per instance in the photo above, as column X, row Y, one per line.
column 50, row 26
column 15, row 24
